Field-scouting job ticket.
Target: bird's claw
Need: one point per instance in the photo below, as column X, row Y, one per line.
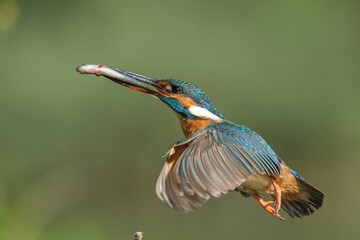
column 268, row 208
column 276, row 211
column 277, row 215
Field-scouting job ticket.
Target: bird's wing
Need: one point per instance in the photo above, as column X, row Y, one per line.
column 214, row 161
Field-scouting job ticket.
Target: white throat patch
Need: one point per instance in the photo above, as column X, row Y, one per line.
column 204, row 113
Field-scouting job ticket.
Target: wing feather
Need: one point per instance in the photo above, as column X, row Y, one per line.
column 214, row 161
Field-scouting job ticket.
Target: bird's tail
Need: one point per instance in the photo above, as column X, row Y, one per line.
column 300, row 208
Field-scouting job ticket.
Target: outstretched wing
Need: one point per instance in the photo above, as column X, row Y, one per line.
column 214, row 161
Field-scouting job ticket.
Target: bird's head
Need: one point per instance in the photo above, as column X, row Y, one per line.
column 184, row 98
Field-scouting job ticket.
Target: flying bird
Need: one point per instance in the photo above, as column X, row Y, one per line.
column 217, row 156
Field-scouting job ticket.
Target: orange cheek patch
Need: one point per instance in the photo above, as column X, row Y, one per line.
column 185, row 101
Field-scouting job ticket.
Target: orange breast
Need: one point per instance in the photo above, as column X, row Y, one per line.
column 191, row 126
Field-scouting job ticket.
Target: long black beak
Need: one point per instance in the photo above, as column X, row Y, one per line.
column 127, row 79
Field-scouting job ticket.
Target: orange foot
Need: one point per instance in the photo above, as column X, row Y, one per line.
column 268, row 208
column 278, row 195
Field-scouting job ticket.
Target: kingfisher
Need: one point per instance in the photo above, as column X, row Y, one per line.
column 217, row 156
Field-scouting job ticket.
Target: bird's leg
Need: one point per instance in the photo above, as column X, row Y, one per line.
column 267, row 207
column 277, row 195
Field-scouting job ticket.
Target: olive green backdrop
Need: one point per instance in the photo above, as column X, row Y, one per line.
column 80, row 155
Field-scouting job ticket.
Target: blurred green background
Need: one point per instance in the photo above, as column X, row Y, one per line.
column 80, row 155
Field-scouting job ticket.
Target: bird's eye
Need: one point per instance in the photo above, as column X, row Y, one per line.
column 176, row 89
column 173, row 89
